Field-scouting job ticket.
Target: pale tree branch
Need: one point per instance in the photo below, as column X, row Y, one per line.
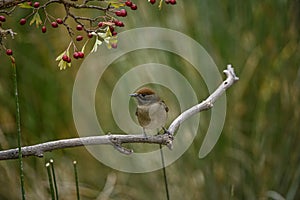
column 116, row 140
column 207, row 103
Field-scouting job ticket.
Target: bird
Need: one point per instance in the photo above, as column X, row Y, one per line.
column 151, row 111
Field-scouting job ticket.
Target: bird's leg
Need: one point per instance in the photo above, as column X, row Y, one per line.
column 144, row 132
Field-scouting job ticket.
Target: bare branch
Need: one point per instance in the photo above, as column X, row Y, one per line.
column 117, row 140
column 10, row 3
column 208, row 103
column 4, row 32
column 114, row 140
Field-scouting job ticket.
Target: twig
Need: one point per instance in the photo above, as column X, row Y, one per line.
column 9, row 3
column 4, row 32
column 207, row 103
column 117, row 140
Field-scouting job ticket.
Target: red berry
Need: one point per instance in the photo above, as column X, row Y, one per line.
column 80, row 54
column 65, row 57
column 79, row 27
column 123, row 12
column 114, row 33
column 133, row 6
column 90, row 35
column 76, row 55
column 44, row 29
column 173, row 2
column 118, row 13
column 128, row 3
column 36, row 4
column 119, row 23
column 22, row 21
column 2, row 18
column 9, row 52
column 114, row 45
column 59, row 21
column 100, row 24
column 79, row 37
column 152, row 1
column 29, row 3
column 54, row 24
column 111, row 28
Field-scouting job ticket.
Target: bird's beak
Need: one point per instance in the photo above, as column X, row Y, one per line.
column 133, row 95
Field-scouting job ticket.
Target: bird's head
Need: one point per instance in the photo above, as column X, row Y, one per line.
column 145, row 96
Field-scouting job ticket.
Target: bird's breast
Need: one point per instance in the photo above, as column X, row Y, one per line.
column 152, row 116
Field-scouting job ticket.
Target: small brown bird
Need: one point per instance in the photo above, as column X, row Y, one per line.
column 151, row 111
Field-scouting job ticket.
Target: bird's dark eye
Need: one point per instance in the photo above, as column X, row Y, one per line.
column 143, row 95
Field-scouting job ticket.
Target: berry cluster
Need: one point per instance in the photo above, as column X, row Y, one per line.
column 76, row 55
column 103, row 27
column 83, row 23
column 131, row 5
column 172, row 2
column 9, row 52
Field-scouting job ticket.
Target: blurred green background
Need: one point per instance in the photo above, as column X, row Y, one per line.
column 258, row 154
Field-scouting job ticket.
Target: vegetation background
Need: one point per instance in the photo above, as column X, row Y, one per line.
column 257, row 156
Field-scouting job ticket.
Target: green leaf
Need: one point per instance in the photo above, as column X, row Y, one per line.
column 59, row 57
column 110, row 41
column 25, row 5
column 160, row 4
column 116, row 4
column 62, row 65
column 102, row 35
column 36, row 19
column 108, row 32
column 95, row 47
column 82, row 49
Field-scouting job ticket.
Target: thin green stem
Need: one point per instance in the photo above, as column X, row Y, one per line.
column 54, row 179
column 76, row 179
column 164, row 171
column 50, row 181
column 18, row 122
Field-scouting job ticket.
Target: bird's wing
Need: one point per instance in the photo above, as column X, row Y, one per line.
column 143, row 116
column 166, row 107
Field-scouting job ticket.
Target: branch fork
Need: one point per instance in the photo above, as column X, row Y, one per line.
column 118, row 140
